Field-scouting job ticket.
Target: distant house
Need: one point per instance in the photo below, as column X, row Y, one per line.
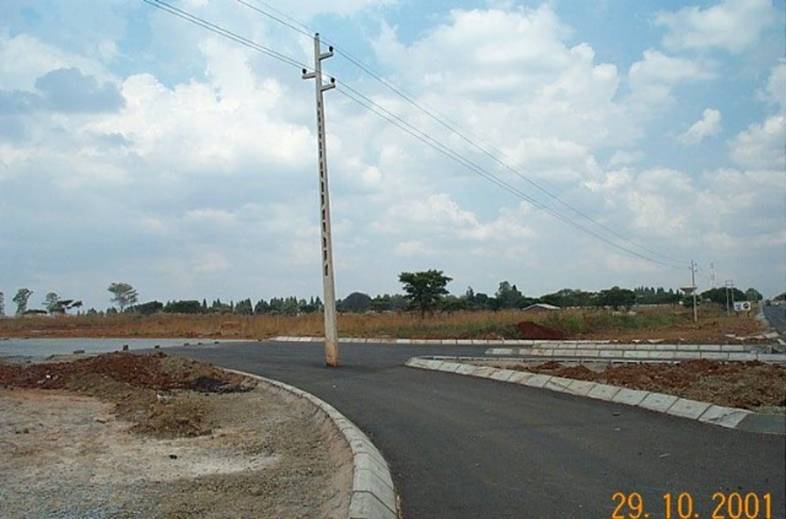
column 540, row 307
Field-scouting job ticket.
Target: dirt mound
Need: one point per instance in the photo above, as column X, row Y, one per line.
column 165, row 397
column 555, row 368
column 157, row 372
column 736, row 384
column 530, row 330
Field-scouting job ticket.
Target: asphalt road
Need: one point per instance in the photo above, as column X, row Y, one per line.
column 776, row 315
column 465, row 447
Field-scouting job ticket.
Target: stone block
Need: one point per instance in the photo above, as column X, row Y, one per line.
column 603, row 392
column 687, row 408
column 364, row 505
column 658, row 402
column 537, row 380
column 630, row 396
column 580, row 387
column 723, row 416
column 558, row 384
column 503, row 375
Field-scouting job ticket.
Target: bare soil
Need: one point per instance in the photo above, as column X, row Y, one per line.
column 530, row 330
column 122, row 435
column 747, row 385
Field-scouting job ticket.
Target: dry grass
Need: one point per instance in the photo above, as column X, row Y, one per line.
column 669, row 323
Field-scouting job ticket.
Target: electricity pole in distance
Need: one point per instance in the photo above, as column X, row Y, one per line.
column 331, row 333
column 693, row 284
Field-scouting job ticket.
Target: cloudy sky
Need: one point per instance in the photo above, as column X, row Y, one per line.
column 137, row 147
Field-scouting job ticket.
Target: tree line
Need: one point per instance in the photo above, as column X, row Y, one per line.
column 424, row 292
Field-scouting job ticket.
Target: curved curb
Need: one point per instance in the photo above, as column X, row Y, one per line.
column 706, row 412
column 373, row 493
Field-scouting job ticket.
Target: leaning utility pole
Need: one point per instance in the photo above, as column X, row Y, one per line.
column 331, row 334
column 693, row 284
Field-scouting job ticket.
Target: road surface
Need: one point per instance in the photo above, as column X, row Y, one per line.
column 466, row 447
column 776, row 315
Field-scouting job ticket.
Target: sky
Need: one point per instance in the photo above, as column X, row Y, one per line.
column 137, row 147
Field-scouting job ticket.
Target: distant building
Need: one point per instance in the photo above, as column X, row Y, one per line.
column 540, row 307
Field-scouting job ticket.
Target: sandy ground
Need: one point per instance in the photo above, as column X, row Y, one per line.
column 253, row 454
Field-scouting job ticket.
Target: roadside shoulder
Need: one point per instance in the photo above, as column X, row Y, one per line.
column 373, row 493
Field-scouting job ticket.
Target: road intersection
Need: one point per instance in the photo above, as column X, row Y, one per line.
column 465, row 447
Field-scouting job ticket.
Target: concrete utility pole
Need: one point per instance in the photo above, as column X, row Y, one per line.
column 729, row 296
column 693, row 284
column 331, row 333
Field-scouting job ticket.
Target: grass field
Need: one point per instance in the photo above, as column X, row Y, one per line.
column 667, row 322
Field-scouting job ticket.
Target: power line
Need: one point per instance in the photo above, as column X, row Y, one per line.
column 443, row 121
column 226, row 33
column 395, row 120
column 306, row 31
column 474, row 167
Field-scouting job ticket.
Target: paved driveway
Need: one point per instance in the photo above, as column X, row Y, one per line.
column 466, row 447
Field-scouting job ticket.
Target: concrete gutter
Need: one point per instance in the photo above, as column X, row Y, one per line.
column 373, row 493
column 706, row 412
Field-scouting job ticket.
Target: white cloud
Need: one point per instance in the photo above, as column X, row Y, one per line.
column 624, row 158
column 413, row 248
column 196, row 125
column 24, row 59
column 709, row 125
column 216, row 217
column 653, row 79
column 308, row 8
column 437, row 213
column 441, row 218
column 211, row 262
column 776, row 85
column 761, row 145
column 732, row 25
column 657, row 67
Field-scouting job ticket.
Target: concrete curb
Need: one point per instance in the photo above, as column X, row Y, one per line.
column 651, row 351
column 373, row 493
column 706, row 412
column 639, row 354
column 644, row 344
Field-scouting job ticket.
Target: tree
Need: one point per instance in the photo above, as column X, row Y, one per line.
column 568, row 297
column 355, row 302
column 123, row 294
column 183, row 307
column 753, row 295
column 508, row 295
column 261, row 307
column 52, row 303
column 244, row 307
column 452, row 304
column 149, row 308
column 616, row 297
column 21, row 298
column 424, row 289
column 719, row 295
